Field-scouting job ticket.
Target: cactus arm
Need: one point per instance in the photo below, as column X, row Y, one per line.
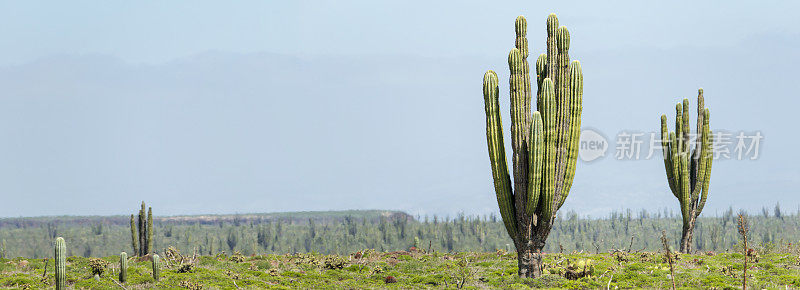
column 497, row 155
column 549, row 116
column 521, row 43
column 552, row 50
column 517, row 90
column 707, row 178
column 685, row 201
column 134, row 244
column 562, row 88
column 149, row 229
column 574, row 133
column 549, row 124
column 541, row 74
column 519, row 129
column 679, row 126
column 697, row 168
column 142, row 223
column 665, row 147
column 675, row 161
column 535, row 160
column 686, row 130
column 61, row 263
column 521, row 30
column 699, row 161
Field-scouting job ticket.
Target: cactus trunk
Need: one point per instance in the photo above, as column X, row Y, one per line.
column 529, row 258
column 688, row 169
column 544, row 143
column 61, row 263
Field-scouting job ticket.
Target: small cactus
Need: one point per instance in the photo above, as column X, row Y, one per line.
column 61, row 263
column 123, row 267
column 156, row 267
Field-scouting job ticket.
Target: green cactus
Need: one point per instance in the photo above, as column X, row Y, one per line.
column 143, row 243
column 61, row 263
column 142, row 226
column 123, row 267
column 544, row 143
column 149, row 229
column 156, row 267
column 134, row 244
column 688, row 169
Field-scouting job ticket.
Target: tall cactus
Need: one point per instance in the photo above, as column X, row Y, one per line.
column 123, row 267
column 144, row 222
column 544, row 143
column 156, row 267
column 688, row 169
column 61, row 263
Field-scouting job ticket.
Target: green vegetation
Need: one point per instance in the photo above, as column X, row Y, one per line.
column 688, row 171
column 544, row 143
column 468, row 251
column 417, row 269
column 347, row 232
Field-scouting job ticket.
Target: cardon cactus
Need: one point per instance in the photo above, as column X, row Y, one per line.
column 544, row 143
column 123, row 267
column 144, row 242
column 156, row 267
column 61, row 263
column 688, row 167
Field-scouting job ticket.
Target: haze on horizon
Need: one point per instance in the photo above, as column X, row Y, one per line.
column 200, row 107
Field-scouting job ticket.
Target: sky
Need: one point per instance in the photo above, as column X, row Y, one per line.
column 203, row 107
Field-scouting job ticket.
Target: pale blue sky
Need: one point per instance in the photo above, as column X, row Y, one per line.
column 208, row 107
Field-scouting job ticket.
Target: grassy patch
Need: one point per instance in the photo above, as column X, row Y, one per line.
column 416, row 270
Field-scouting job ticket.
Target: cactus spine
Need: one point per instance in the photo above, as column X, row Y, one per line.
column 688, row 169
column 123, row 267
column 544, row 143
column 156, row 267
column 61, row 263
